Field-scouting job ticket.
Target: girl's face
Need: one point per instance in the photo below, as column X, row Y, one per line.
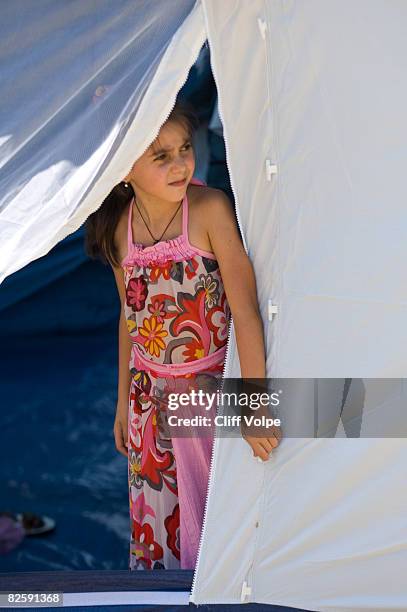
column 168, row 159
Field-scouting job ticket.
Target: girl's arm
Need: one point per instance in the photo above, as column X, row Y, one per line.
column 123, row 386
column 240, row 285
column 124, row 379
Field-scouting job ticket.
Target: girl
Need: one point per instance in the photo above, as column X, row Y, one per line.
column 180, row 269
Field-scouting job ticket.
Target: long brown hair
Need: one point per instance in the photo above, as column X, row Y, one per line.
column 101, row 225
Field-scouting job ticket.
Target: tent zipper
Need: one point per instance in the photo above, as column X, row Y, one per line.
column 238, row 219
column 271, row 169
column 180, row 85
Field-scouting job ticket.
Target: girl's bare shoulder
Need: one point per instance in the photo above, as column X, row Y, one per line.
column 204, row 198
column 207, row 206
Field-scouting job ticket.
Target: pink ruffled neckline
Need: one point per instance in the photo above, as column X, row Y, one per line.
column 176, row 249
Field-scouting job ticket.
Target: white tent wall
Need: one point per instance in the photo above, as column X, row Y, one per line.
column 88, row 86
column 312, row 96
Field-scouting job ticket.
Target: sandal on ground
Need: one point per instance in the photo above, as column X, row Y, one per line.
column 33, row 524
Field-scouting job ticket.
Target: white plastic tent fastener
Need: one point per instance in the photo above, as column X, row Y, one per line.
column 262, row 27
column 272, row 310
column 246, row 591
column 270, row 169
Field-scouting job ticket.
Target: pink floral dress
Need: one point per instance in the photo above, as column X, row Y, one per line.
column 178, row 319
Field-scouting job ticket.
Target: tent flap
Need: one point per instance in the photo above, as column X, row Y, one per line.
column 96, row 90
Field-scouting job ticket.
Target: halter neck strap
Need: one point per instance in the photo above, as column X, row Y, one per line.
column 193, row 181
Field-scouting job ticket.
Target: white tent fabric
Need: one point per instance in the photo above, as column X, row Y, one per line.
column 88, row 86
column 311, row 97
column 316, row 132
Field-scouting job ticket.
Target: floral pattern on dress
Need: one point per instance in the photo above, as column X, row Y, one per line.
column 177, row 313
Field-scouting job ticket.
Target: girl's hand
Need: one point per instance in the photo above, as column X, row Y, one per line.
column 262, row 447
column 120, row 429
column 263, row 438
column 266, row 438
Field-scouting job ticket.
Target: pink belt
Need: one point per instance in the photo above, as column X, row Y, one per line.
column 141, row 362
